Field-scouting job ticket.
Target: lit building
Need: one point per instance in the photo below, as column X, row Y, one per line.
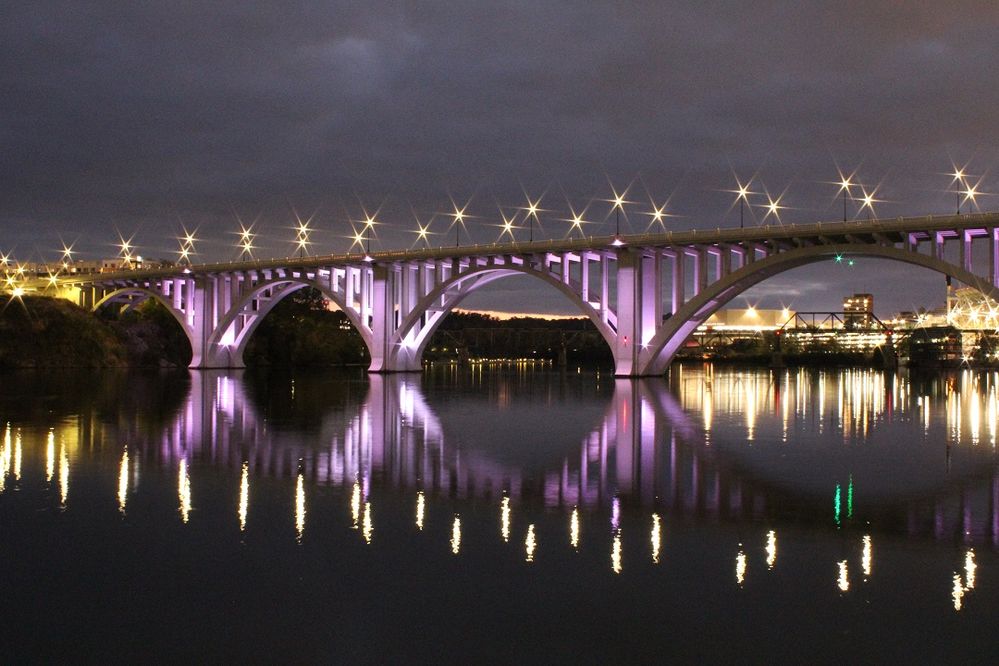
column 970, row 310
column 858, row 311
column 747, row 320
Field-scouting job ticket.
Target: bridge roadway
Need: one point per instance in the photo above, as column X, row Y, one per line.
column 646, row 294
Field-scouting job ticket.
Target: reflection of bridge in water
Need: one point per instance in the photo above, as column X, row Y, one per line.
column 651, row 448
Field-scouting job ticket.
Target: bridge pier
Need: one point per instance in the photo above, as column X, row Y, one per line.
column 639, row 310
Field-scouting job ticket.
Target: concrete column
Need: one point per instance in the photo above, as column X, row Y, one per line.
column 700, row 271
column 386, row 354
column 605, row 285
column 584, row 276
column 409, row 295
column 628, row 312
column 176, row 289
column 994, row 256
column 348, row 287
column 650, row 297
column 679, row 281
column 937, row 245
column 200, row 299
column 966, row 250
column 381, row 321
column 638, row 316
column 724, row 262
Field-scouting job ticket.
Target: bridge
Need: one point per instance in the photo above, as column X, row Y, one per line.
column 645, row 294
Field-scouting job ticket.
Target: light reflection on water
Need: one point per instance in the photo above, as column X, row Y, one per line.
column 861, row 455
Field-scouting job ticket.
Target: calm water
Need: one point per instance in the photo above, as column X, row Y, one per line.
column 498, row 514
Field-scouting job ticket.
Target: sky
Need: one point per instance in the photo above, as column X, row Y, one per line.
column 146, row 118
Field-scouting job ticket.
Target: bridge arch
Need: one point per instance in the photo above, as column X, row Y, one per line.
column 410, row 339
column 655, row 359
column 226, row 350
column 145, row 294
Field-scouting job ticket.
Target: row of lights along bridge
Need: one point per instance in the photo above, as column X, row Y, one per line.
column 850, row 191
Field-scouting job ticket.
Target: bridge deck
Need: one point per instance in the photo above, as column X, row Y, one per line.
column 893, row 230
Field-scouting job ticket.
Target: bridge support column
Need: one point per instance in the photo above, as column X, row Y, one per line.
column 636, row 311
column 994, row 256
column 679, row 281
column 387, row 353
column 199, row 301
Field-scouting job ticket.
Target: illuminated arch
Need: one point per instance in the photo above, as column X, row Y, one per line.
column 410, row 340
column 144, row 294
column 286, row 286
column 677, row 329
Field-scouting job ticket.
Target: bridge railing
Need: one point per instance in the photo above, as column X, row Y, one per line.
column 596, row 243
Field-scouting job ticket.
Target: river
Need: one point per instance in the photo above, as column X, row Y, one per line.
column 499, row 512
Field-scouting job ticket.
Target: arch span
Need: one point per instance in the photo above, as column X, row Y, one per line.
column 145, row 294
column 410, row 339
column 227, row 342
column 676, row 330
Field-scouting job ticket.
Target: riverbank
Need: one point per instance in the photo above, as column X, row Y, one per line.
column 41, row 332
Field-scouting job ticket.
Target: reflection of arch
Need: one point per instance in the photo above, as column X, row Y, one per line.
column 234, row 340
column 416, row 329
column 129, row 292
column 676, row 330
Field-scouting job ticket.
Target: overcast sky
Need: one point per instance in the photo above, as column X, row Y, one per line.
column 142, row 117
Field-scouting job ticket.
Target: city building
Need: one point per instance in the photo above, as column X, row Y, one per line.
column 858, row 311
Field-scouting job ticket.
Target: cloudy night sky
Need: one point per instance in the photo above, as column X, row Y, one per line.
column 141, row 118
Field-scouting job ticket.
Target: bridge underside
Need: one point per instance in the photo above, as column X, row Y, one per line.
column 645, row 296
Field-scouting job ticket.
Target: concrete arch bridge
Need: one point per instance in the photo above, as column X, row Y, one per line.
column 645, row 294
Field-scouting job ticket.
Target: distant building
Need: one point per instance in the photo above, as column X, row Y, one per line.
column 858, row 311
column 749, row 320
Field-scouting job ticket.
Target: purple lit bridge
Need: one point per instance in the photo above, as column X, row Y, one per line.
column 646, row 294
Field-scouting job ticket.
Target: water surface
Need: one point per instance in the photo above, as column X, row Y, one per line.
column 499, row 513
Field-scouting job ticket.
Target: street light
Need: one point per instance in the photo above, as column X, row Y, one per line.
column 367, row 230
column 958, row 180
column 125, row 248
column 507, row 227
column 742, row 196
column 421, row 233
column 532, row 211
column 302, row 232
column 867, row 201
column 845, row 183
column 773, row 208
column 617, row 205
column 459, row 221
column 970, row 193
column 186, row 243
column 245, row 243
column 67, row 255
column 658, row 216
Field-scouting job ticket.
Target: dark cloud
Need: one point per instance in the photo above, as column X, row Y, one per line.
column 142, row 115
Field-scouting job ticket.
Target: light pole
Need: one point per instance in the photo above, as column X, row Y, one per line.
column 532, row 215
column 844, row 187
column 742, row 196
column 369, row 226
column 459, row 217
column 958, row 182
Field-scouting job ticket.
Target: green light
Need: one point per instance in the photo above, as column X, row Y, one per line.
column 836, row 503
column 839, row 258
column 849, row 498
column 850, row 263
